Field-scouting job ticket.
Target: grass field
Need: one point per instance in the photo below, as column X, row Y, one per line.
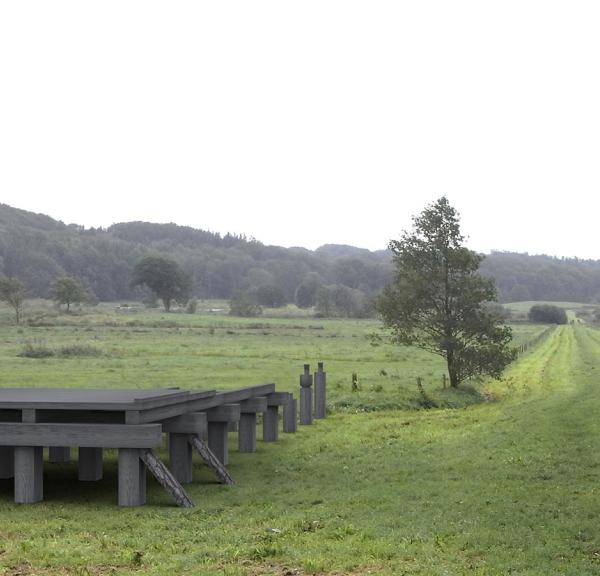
column 490, row 488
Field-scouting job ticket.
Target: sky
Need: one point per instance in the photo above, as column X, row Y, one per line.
column 306, row 123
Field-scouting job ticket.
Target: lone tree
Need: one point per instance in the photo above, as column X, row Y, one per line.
column 164, row 277
column 68, row 290
column 13, row 293
column 436, row 301
column 547, row 314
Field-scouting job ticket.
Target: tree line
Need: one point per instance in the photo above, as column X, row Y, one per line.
column 338, row 280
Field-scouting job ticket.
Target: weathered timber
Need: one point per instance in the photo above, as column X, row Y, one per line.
column 165, row 478
column 247, row 432
column 218, row 440
column 224, row 413
column 90, row 464
column 211, row 460
column 7, row 462
column 290, row 422
column 306, row 381
column 320, row 392
column 180, row 457
column 192, row 423
column 89, row 435
column 271, row 424
column 258, row 404
column 29, row 474
column 59, row 454
column 132, row 477
column 203, row 404
column 278, row 398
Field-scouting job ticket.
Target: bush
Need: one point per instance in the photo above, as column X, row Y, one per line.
column 35, row 349
column 242, row 305
column 192, row 306
column 547, row 314
column 78, row 350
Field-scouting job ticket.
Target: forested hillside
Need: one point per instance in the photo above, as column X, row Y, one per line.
column 37, row 249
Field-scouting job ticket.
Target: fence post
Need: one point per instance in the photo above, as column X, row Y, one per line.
column 306, row 381
column 320, row 395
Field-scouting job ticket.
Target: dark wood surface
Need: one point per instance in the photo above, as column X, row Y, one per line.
column 96, row 399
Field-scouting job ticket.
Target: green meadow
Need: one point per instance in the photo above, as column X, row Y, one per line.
column 499, row 477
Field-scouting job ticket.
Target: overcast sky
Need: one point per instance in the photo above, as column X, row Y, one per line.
column 312, row 122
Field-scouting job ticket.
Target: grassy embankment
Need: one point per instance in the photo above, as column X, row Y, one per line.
column 497, row 488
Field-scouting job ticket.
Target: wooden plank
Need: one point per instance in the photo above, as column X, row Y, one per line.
column 89, row 435
column 166, row 479
column 211, row 460
column 204, row 404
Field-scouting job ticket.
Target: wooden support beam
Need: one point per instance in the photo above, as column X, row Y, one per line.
column 218, row 440
column 247, row 432
column 192, row 423
column 132, row 477
column 271, row 424
column 59, row 454
column 211, row 460
column 90, row 435
column 7, row 462
column 180, row 457
column 165, row 478
column 224, row 413
column 90, row 464
column 290, row 422
column 29, row 474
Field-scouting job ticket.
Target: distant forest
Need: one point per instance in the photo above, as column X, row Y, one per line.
column 37, row 249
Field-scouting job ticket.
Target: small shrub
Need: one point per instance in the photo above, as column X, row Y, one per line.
column 35, row 349
column 79, row 350
column 192, row 306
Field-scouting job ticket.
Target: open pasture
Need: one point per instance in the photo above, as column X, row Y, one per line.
column 494, row 488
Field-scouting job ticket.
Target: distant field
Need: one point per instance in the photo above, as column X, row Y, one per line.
column 492, row 488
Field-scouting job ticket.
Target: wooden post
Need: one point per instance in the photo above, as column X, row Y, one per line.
column 132, row 478
column 289, row 415
column 306, row 381
column 320, row 395
column 247, row 432
column 59, row 454
column 180, row 457
column 271, row 424
column 218, row 440
column 90, row 464
column 7, row 462
column 29, row 474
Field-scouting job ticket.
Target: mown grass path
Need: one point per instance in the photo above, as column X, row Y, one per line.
column 508, row 487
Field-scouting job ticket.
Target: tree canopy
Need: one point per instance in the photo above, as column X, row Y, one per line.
column 436, row 300
column 164, row 277
column 13, row 293
column 547, row 314
column 68, row 290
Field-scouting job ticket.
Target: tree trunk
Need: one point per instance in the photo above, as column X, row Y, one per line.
column 167, row 304
column 452, row 372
